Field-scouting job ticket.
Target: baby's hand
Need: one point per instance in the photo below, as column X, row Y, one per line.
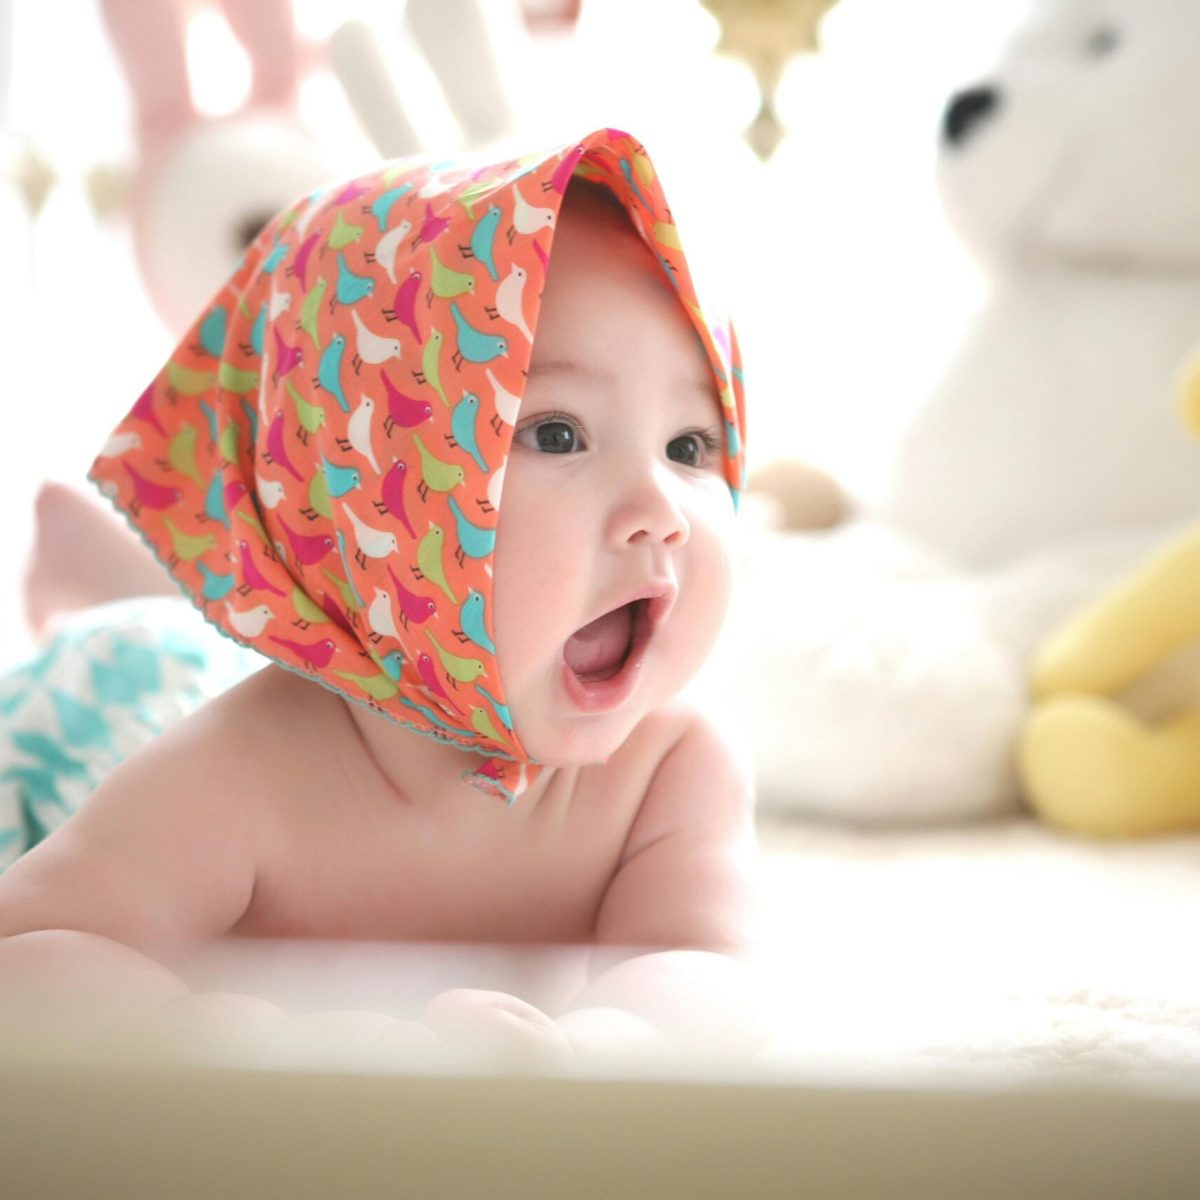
column 498, row 1025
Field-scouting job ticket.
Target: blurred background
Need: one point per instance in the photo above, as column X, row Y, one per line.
column 846, row 287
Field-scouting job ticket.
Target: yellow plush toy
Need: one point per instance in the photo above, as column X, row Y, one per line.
column 1088, row 763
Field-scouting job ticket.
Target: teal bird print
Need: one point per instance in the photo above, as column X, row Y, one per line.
column 473, row 540
column 351, row 288
column 217, row 584
column 461, row 670
column 471, row 622
column 214, row 500
column 436, row 473
column 213, row 331
column 352, row 600
column 627, row 171
column 251, row 415
column 431, row 365
column 329, row 370
column 381, row 207
column 501, row 709
column 462, row 427
column 483, row 237
column 429, row 559
column 391, row 663
column 309, row 309
column 432, row 717
column 210, row 419
column 473, row 345
column 341, row 479
column 277, row 255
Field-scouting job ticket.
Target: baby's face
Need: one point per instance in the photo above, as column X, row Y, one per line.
column 614, row 488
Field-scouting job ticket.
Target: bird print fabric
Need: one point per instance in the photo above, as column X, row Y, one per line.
column 320, row 462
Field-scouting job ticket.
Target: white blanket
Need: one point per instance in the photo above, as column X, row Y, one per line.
column 1004, row 949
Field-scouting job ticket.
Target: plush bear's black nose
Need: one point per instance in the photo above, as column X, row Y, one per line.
column 965, row 110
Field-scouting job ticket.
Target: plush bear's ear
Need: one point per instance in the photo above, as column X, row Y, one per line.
column 805, row 497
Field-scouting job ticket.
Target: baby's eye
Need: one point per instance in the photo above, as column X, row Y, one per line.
column 693, row 449
column 550, row 437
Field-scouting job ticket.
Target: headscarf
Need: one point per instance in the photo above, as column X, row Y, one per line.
column 320, row 462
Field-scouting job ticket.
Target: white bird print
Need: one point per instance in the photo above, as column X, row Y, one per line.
column 372, row 543
column 251, row 622
column 270, row 491
column 496, row 485
column 281, row 302
column 527, row 218
column 120, row 443
column 372, row 348
column 510, row 297
column 389, row 244
column 435, row 187
column 507, row 405
column 380, row 617
column 358, row 430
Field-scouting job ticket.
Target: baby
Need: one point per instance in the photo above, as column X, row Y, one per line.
column 501, row 557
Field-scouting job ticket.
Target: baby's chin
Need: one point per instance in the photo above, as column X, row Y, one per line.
column 581, row 744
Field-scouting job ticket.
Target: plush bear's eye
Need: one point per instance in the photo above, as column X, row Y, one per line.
column 1101, row 41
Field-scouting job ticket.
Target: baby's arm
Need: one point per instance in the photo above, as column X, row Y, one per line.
column 158, row 862
column 685, row 893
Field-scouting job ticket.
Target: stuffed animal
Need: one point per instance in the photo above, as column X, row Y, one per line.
column 892, row 684
column 1090, row 761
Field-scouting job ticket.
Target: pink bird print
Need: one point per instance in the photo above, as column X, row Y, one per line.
column 287, row 358
column 404, row 307
column 144, row 410
column 428, row 672
column 235, row 489
column 350, row 193
column 402, row 410
column 253, row 580
column 147, row 494
column 391, row 495
column 335, row 614
column 276, row 450
column 564, row 171
column 299, row 264
column 307, row 548
column 314, row 655
column 414, row 608
column 431, row 228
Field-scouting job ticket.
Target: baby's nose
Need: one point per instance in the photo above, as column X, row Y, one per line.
column 650, row 512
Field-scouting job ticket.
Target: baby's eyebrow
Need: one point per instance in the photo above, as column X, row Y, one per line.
column 602, row 375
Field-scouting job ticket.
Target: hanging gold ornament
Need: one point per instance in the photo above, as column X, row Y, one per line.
column 767, row 35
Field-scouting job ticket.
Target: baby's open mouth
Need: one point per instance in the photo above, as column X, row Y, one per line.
column 601, row 648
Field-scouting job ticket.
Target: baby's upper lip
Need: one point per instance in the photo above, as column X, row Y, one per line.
column 660, row 593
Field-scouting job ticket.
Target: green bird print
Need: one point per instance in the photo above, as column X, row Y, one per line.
column 309, row 310
column 446, row 283
column 319, row 503
column 237, row 381
column 184, row 381
column 461, row 670
column 343, row 234
column 227, row 443
column 308, row 611
column 344, row 589
column 436, row 473
column 431, row 365
column 181, row 453
column 379, row 687
column 185, row 547
column 311, row 416
column 482, row 722
column 429, row 559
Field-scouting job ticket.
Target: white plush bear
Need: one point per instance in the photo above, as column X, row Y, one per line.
column 888, row 677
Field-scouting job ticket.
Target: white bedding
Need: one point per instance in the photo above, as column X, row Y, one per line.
column 1001, row 948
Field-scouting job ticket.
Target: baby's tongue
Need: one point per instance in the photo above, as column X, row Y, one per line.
column 597, row 649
